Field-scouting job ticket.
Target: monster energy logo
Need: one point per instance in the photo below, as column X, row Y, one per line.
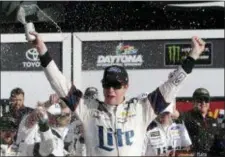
column 174, row 54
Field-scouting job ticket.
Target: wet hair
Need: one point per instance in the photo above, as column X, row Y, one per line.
column 16, row 91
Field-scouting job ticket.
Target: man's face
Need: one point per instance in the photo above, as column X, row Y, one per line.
column 114, row 93
column 17, row 101
column 202, row 104
column 7, row 136
column 165, row 118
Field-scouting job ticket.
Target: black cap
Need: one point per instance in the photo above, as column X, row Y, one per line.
column 91, row 92
column 201, row 93
column 115, row 73
column 8, row 123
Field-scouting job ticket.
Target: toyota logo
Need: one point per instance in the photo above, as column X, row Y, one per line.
column 32, row 55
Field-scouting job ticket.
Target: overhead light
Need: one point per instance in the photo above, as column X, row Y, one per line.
column 206, row 4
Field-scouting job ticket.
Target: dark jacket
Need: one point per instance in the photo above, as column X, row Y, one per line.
column 202, row 131
column 218, row 148
column 19, row 114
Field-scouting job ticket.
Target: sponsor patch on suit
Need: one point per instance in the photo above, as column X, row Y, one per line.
column 155, row 134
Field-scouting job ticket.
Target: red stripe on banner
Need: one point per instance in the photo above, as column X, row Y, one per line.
column 184, row 106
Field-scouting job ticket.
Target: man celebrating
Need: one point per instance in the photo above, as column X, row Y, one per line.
column 116, row 126
column 42, row 132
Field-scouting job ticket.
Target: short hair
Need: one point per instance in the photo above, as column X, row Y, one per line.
column 16, row 91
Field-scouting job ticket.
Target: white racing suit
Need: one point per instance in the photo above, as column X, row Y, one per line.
column 74, row 140
column 117, row 130
column 8, row 150
column 161, row 141
column 32, row 142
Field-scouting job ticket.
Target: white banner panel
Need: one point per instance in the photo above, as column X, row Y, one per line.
column 20, row 66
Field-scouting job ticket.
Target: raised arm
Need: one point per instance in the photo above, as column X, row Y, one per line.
column 166, row 93
column 57, row 80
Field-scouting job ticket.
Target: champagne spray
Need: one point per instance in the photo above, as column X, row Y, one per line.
column 28, row 26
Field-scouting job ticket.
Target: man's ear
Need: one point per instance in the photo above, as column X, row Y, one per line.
column 126, row 86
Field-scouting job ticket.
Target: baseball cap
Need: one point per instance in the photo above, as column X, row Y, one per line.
column 8, row 123
column 115, row 73
column 91, row 92
column 202, row 94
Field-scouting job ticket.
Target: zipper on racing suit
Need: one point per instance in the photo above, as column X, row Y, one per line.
column 115, row 126
column 115, row 131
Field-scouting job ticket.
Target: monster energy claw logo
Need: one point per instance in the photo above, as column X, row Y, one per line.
column 174, row 54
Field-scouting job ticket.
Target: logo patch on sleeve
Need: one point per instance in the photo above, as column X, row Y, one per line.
column 155, row 134
column 179, row 79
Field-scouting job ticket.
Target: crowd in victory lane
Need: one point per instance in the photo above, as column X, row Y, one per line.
column 76, row 123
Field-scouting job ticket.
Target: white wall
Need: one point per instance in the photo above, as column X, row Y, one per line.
column 34, row 84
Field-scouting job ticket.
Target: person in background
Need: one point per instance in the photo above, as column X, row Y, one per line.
column 17, row 108
column 218, row 148
column 167, row 137
column 74, row 141
column 222, row 142
column 8, row 129
column 202, row 129
column 220, row 117
column 42, row 132
column 91, row 93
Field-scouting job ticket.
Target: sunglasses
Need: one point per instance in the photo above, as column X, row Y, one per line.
column 115, row 85
column 202, row 99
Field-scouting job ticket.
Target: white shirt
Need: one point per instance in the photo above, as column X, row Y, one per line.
column 72, row 139
column 161, row 140
column 8, row 150
column 49, row 143
column 117, row 131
